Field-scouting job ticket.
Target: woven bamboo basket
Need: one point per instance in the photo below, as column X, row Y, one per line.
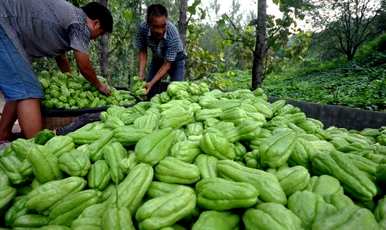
column 54, row 123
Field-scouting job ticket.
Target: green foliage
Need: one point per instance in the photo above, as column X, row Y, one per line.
column 79, row 3
column 122, row 53
column 298, row 46
column 237, row 41
column 325, row 83
column 346, row 24
column 229, row 80
column 200, row 61
column 349, row 85
column 373, row 53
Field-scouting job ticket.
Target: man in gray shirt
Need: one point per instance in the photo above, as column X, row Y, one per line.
column 43, row 28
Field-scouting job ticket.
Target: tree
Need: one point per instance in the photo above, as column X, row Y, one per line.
column 235, row 9
column 182, row 22
column 237, row 41
column 186, row 29
column 215, row 5
column 104, row 51
column 348, row 23
column 260, row 46
column 122, row 53
column 277, row 33
column 381, row 25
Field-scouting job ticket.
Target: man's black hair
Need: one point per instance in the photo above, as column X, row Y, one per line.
column 95, row 10
column 156, row 10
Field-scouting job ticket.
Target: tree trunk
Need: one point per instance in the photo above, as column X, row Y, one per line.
column 133, row 61
column 104, row 57
column 182, row 23
column 260, row 50
column 104, row 52
column 350, row 56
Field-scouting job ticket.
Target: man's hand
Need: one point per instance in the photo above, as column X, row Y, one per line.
column 141, row 76
column 148, row 87
column 86, row 69
column 103, row 88
column 159, row 75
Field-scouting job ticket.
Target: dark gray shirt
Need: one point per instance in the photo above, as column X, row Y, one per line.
column 44, row 28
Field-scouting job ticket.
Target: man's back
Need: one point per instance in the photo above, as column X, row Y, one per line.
column 40, row 27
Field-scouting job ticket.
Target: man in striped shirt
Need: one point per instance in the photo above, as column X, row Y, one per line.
column 162, row 37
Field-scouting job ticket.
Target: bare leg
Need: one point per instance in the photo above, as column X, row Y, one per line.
column 30, row 118
column 7, row 120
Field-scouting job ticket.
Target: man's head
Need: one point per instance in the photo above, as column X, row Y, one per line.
column 99, row 19
column 156, row 18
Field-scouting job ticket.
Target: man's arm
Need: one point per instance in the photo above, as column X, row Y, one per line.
column 160, row 74
column 86, row 69
column 142, row 56
column 63, row 63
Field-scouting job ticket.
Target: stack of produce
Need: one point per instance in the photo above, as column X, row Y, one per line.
column 198, row 159
column 62, row 91
column 138, row 87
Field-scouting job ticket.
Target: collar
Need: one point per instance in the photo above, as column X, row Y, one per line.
column 166, row 32
column 84, row 15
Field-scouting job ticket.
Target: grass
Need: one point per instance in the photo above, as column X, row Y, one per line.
column 349, row 85
column 325, row 83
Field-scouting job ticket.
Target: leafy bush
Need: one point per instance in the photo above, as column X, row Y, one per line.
column 326, row 83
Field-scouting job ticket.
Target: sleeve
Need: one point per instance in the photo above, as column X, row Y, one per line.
column 79, row 37
column 141, row 37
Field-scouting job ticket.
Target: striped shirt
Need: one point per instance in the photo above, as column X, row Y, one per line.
column 44, row 28
column 169, row 48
